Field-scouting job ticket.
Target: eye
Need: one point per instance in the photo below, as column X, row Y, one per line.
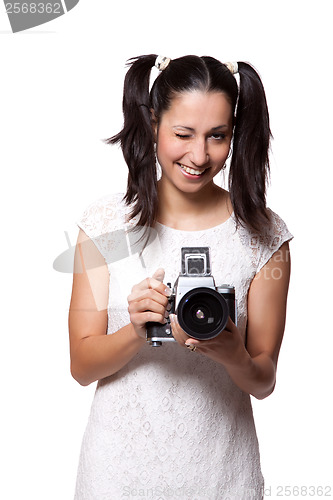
column 183, row 136
column 218, row 137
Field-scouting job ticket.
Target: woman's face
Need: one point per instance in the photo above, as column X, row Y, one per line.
column 193, row 140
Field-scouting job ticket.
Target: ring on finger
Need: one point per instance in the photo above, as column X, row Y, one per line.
column 191, row 347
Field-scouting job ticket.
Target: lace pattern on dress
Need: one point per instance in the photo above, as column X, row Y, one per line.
column 171, row 423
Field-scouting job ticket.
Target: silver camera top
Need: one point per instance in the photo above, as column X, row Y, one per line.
column 195, row 261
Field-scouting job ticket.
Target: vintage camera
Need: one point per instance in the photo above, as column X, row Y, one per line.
column 201, row 307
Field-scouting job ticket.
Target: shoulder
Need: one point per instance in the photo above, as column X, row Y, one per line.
column 104, row 222
column 104, row 215
column 262, row 246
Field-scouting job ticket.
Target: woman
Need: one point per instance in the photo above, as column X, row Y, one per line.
column 168, row 422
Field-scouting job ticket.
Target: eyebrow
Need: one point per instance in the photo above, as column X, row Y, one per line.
column 192, row 129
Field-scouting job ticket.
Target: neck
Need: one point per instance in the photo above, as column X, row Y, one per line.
column 190, row 211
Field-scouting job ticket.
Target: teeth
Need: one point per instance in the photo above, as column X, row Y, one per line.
column 191, row 170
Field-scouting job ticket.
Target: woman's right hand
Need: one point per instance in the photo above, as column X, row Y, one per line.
column 148, row 301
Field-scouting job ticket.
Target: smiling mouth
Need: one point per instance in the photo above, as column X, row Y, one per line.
column 191, row 171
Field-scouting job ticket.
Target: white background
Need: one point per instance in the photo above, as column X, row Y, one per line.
column 61, row 88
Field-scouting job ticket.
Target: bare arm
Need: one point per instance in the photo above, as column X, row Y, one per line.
column 95, row 355
column 253, row 367
column 267, row 304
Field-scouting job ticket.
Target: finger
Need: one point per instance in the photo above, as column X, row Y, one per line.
column 146, row 305
column 152, row 283
column 177, row 331
column 141, row 318
column 138, row 295
column 159, row 274
column 230, row 325
column 182, row 337
column 191, row 341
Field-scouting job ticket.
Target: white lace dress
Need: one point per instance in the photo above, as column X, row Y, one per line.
column 171, row 424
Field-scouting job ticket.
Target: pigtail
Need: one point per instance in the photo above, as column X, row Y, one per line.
column 137, row 141
column 249, row 168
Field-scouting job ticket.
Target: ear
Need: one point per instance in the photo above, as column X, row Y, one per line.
column 154, row 123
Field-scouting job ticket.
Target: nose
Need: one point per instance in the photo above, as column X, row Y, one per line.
column 199, row 154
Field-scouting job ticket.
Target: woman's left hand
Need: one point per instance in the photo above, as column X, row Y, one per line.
column 227, row 348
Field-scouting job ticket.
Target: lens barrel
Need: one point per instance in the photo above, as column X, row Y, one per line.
column 203, row 313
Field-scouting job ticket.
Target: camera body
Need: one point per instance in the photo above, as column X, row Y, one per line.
column 202, row 307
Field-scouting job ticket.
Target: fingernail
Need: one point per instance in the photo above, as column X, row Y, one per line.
column 172, row 317
column 167, row 291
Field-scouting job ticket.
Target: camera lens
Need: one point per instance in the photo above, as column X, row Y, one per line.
column 203, row 313
column 200, row 314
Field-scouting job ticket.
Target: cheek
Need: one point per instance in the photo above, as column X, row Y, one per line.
column 220, row 156
column 169, row 150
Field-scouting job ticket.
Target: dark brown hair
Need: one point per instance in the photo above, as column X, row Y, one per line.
column 249, row 166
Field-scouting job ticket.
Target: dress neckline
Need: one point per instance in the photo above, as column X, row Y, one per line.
column 197, row 231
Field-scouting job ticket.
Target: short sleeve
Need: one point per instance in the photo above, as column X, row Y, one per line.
column 271, row 241
column 103, row 223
